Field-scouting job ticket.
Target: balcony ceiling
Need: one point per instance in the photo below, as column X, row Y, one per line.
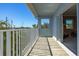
column 43, row 9
column 71, row 11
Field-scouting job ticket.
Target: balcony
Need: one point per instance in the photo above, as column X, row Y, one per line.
column 41, row 42
column 26, row 42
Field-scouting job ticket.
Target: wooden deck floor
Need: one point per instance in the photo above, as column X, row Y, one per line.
column 47, row 47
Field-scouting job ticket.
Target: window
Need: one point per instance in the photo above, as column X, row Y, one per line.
column 45, row 23
column 69, row 24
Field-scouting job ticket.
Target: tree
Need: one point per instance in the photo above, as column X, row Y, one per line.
column 4, row 25
column 35, row 26
column 45, row 26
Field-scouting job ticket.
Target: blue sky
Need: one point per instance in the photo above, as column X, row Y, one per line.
column 19, row 13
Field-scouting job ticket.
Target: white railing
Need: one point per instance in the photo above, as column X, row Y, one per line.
column 28, row 36
column 16, row 42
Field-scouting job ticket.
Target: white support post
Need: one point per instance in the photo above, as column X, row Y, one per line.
column 54, row 26
column 13, row 44
column 60, row 28
column 52, row 18
column 50, row 25
column 1, row 43
column 16, row 43
column 8, row 43
column 57, row 28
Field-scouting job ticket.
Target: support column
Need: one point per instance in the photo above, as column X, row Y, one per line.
column 60, row 28
column 77, row 29
column 54, row 27
column 57, row 28
column 50, row 25
column 39, row 25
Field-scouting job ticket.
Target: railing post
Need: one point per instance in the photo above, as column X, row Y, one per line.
column 17, row 43
column 20, row 42
column 13, row 44
column 8, row 43
column 1, row 43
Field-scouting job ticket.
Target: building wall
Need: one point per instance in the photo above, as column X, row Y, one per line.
column 57, row 23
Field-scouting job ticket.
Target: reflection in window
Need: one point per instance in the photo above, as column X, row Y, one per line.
column 69, row 24
column 45, row 23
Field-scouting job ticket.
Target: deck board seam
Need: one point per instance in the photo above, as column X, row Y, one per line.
column 49, row 48
column 32, row 47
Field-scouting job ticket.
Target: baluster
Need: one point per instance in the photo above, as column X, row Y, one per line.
column 1, row 43
column 16, row 43
column 13, row 44
column 8, row 43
